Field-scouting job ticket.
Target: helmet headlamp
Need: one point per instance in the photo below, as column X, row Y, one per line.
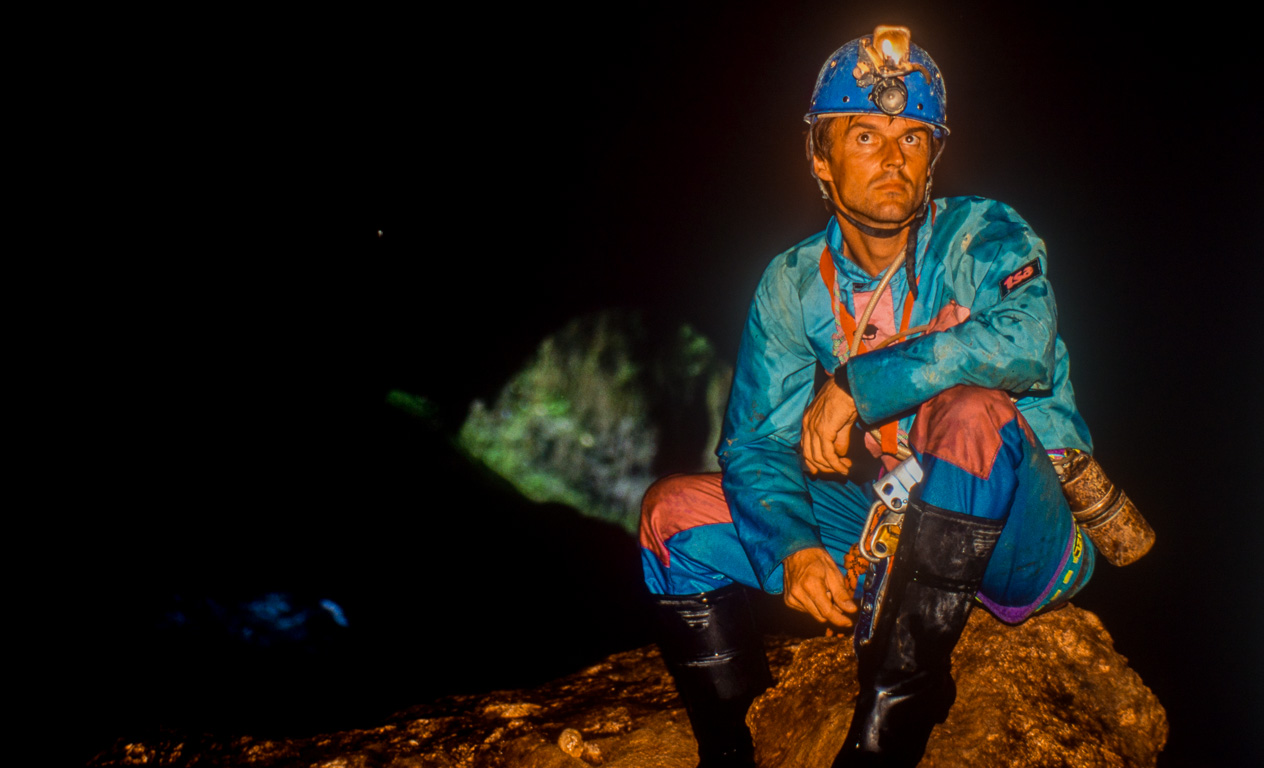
column 890, row 95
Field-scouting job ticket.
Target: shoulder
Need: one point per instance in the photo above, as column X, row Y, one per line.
column 983, row 232
column 804, row 256
column 987, row 250
column 794, row 269
column 981, row 218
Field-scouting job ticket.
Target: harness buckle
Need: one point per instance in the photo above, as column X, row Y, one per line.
column 881, row 532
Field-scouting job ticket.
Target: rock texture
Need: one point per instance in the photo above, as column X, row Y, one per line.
column 586, row 422
column 1051, row 692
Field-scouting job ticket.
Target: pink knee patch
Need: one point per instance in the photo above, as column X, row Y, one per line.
column 962, row 425
column 678, row 503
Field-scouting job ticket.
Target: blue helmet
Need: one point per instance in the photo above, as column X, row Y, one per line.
column 884, row 74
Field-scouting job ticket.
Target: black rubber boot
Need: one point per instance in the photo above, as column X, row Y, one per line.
column 711, row 647
column 904, row 663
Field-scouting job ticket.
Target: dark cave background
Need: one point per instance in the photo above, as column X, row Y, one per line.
column 411, row 201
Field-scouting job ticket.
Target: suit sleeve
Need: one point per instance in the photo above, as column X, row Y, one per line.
column 763, row 481
column 1008, row 343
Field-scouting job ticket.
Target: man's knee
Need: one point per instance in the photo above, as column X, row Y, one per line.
column 679, row 502
column 963, row 425
column 964, row 404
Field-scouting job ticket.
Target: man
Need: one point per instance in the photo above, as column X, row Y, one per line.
column 948, row 382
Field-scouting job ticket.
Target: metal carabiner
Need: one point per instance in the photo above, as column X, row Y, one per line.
column 881, row 532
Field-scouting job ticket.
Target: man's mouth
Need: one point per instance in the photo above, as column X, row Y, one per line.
column 893, row 178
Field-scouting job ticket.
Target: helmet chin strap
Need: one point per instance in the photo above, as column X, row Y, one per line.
column 868, row 230
column 913, row 226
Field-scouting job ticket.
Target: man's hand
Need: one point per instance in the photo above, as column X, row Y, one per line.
column 827, row 430
column 814, row 585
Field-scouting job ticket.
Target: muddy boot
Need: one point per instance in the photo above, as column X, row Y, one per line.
column 710, row 645
column 916, row 611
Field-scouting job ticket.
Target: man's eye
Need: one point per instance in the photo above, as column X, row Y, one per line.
column 912, row 138
column 864, row 138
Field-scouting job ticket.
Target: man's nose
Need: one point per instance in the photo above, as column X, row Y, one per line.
column 893, row 155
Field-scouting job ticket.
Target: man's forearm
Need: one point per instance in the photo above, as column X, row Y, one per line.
column 1013, row 355
column 770, row 504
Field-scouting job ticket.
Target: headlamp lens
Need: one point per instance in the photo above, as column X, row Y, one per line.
column 890, row 95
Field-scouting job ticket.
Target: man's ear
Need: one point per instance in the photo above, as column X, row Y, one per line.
column 821, row 169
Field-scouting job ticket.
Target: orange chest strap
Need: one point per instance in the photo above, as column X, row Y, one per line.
column 829, row 275
column 847, row 324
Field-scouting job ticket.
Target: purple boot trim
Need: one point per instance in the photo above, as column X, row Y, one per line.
column 1018, row 614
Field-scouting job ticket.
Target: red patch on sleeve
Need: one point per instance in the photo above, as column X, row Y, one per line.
column 1021, row 275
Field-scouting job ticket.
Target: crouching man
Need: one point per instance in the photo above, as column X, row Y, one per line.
column 919, row 468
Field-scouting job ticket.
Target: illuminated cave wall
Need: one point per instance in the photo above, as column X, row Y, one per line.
column 607, row 404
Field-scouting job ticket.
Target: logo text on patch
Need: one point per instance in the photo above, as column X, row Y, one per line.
column 1019, row 276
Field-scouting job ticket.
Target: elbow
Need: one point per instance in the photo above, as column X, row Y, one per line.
column 1034, row 370
column 1044, row 362
column 1041, row 375
column 1022, row 361
column 1032, row 340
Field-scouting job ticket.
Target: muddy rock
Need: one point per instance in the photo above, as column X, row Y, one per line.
column 621, row 712
column 1049, row 692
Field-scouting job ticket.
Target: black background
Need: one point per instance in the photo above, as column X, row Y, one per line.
column 411, row 201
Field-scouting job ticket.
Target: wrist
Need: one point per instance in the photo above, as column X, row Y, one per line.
column 804, row 555
column 840, row 378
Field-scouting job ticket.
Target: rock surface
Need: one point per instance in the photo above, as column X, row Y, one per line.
column 607, row 405
column 1051, row 692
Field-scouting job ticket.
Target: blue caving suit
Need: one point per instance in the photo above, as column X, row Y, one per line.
column 974, row 257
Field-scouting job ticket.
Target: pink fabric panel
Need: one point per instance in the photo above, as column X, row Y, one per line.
column 962, row 425
column 883, row 317
column 677, row 503
column 949, row 315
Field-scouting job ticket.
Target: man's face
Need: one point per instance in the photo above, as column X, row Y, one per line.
column 878, row 166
